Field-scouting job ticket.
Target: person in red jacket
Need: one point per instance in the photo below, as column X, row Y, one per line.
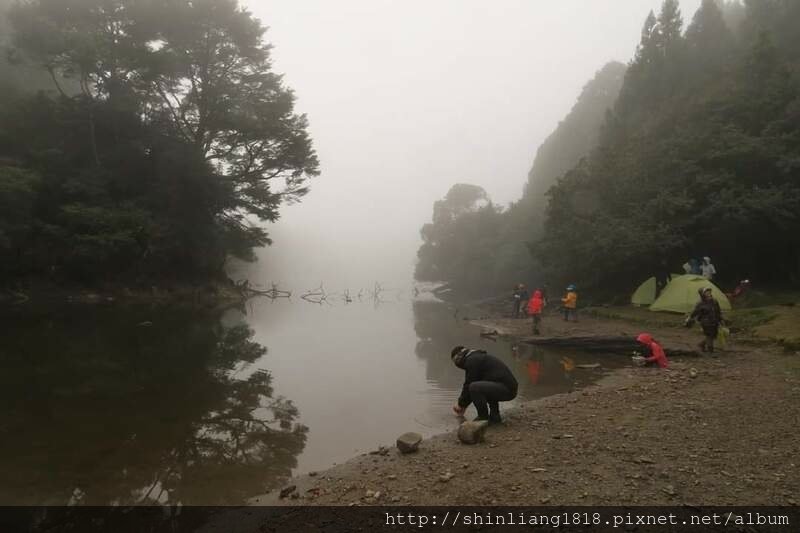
column 657, row 355
column 535, row 305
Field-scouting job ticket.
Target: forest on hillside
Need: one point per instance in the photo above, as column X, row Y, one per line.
column 140, row 141
column 697, row 153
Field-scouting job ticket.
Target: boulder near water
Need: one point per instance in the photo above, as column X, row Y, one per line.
column 409, row 442
column 471, row 432
column 286, row 491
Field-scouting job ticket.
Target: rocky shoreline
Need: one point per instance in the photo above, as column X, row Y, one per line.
column 710, row 431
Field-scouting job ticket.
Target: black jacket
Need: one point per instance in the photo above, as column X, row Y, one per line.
column 481, row 366
column 708, row 313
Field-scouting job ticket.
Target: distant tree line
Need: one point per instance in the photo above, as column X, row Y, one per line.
column 163, row 135
column 698, row 155
column 477, row 245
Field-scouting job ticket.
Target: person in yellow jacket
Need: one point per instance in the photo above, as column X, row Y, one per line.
column 570, row 304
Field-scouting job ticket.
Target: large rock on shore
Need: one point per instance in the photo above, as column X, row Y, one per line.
column 409, row 442
column 472, row 432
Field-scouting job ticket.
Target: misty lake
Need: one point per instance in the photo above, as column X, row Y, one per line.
column 112, row 404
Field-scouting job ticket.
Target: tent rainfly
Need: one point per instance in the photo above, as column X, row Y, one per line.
column 645, row 294
column 681, row 296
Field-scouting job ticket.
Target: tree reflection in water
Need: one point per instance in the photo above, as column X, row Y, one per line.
column 438, row 330
column 130, row 406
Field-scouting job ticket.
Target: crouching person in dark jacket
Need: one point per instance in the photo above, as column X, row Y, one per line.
column 488, row 382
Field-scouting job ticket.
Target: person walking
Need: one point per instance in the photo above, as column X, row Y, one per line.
column 535, row 306
column 487, row 382
column 709, row 314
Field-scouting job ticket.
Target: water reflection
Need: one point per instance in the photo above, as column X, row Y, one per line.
column 539, row 372
column 135, row 405
column 128, row 406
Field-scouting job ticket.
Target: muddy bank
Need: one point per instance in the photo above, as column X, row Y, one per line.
column 603, row 334
column 707, row 431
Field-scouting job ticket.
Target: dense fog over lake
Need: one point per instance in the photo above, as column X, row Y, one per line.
column 407, row 98
column 262, row 250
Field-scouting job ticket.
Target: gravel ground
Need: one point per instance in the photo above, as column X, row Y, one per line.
column 707, row 431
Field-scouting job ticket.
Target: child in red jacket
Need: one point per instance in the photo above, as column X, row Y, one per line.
column 657, row 355
column 535, row 305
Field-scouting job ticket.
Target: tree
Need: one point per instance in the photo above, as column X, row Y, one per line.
column 706, row 172
column 734, row 13
column 670, row 25
column 646, row 51
column 698, row 156
column 211, row 77
column 709, row 41
column 18, row 190
column 462, row 218
column 577, row 134
column 462, row 198
column 170, row 136
column 480, row 248
column 220, row 436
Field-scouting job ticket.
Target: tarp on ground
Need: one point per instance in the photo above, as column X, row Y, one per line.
column 680, row 295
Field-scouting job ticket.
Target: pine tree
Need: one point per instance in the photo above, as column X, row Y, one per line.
column 646, row 51
column 648, row 30
column 708, row 38
column 670, row 25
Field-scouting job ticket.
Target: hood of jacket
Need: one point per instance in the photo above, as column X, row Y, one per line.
column 460, row 359
column 644, row 338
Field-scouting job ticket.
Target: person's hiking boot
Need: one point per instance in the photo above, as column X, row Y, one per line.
column 495, row 419
column 480, row 418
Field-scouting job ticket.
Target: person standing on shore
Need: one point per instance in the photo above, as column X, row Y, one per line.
column 535, row 306
column 709, row 314
column 570, row 304
column 524, row 296
column 488, row 381
column 517, row 296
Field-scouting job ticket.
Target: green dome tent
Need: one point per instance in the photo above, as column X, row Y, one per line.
column 680, row 295
column 645, row 294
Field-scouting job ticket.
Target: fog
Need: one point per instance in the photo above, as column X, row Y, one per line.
column 406, row 98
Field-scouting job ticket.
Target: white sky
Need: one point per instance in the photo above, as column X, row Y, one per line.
column 407, row 97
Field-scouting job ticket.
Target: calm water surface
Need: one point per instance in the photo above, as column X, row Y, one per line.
column 118, row 405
